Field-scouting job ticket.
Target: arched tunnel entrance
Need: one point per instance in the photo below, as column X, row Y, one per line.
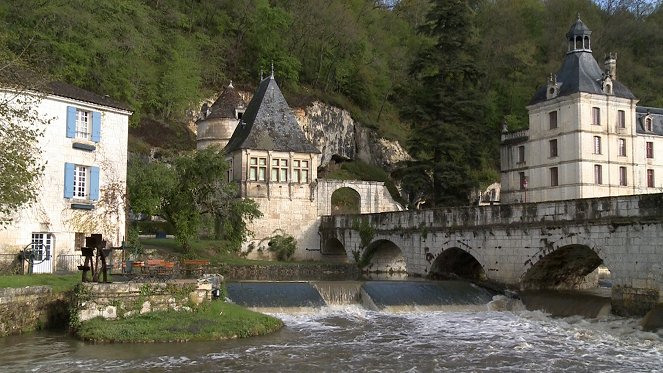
column 569, row 267
column 383, row 256
column 456, row 263
column 345, row 201
column 334, row 251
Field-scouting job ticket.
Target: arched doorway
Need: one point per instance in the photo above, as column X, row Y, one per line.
column 569, row 267
column 345, row 201
column 456, row 263
column 333, row 250
column 383, row 256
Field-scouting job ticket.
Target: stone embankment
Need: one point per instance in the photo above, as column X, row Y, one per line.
column 31, row 308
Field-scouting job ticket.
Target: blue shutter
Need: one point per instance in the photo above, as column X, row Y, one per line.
column 94, row 183
column 71, row 122
column 96, row 126
column 68, row 180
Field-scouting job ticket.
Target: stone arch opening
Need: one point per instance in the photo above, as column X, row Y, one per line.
column 334, row 250
column 345, row 200
column 384, row 256
column 569, row 267
column 456, row 263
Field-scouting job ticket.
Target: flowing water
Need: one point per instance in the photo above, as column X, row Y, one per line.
column 349, row 337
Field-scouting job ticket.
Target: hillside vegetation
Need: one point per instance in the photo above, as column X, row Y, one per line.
column 162, row 57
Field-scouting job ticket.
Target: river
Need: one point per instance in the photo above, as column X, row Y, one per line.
column 352, row 338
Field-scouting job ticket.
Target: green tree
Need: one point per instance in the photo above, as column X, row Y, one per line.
column 21, row 127
column 189, row 190
column 444, row 109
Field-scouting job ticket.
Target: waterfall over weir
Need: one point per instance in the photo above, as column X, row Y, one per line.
column 392, row 296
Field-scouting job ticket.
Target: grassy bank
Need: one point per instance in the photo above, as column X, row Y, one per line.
column 59, row 283
column 211, row 321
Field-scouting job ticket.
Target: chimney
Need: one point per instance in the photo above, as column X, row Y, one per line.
column 610, row 64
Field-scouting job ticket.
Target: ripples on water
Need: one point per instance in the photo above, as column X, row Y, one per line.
column 352, row 339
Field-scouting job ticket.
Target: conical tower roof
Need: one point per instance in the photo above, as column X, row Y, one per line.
column 226, row 104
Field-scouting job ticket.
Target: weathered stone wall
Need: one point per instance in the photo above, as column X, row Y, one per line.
column 509, row 240
column 31, row 308
column 117, row 300
column 294, row 272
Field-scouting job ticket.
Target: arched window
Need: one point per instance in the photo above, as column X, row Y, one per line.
column 648, row 125
column 578, row 42
column 587, row 42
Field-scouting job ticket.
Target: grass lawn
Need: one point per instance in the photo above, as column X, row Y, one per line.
column 58, row 282
column 215, row 320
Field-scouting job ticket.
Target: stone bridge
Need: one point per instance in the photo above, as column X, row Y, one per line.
column 529, row 246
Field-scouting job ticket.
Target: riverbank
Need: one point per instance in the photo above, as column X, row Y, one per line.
column 210, row 321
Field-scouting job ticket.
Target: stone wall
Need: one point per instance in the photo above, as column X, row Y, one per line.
column 293, row 272
column 31, row 308
column 117, row 300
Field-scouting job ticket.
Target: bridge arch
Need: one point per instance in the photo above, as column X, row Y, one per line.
column 345, row 200
column 384, row 256
column 567, row 267
column 455, row 262
column 334, row 250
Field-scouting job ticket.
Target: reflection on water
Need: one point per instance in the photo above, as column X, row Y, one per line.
column 350, row 338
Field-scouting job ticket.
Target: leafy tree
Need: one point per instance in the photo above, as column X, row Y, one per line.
column 445, row 109
column 188, row 190
column 21, row 127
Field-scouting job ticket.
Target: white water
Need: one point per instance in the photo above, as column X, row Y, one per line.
column 352, row 339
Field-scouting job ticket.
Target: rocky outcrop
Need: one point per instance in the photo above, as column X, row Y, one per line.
column 333, row 131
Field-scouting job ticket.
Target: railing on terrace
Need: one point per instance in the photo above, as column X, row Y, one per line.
column 515, row 136
column 67, row 262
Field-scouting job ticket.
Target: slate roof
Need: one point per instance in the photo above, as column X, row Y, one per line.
column 225, row 105
column 657, row 120
column 578, row 28
column 70, row 91
column 269, row 124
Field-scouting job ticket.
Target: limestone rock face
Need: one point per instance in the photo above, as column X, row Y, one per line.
column 333, row 131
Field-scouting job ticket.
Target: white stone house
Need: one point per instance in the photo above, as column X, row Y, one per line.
column 586, row 136
column 277, row 166
column 82, row 190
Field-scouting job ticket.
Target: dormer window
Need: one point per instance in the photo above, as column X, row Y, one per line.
column 648, row 125
column 239, row 114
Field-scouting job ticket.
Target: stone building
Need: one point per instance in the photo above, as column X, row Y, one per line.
column 586, row 136
column 217, row 122
column 84, row 151
column 276, row 165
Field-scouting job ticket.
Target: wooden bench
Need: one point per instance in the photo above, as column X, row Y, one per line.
column 194, row 266
column 159, row 267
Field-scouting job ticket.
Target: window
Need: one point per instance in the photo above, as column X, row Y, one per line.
column 299, row 171
column 649, row 149
column 81, row 182
column 521, row 154
column 597, row 144
column 553, row 148
column 554, row 176
column 621, row 119
column 523, row 181
column 257, row 168
column 596, row 116
column 552, row 119
column 622, row 176
column 83, row 124
column 598, row 174
column 279, row 170
column 621, row 143
column 41, row 246
column 648, row 124
column 230, row 169
column 650, row 178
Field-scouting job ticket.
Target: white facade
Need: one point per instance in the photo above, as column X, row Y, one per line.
column 83, row 188
column 585, row 137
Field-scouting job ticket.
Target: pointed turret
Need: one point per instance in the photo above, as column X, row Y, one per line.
column 217, row 123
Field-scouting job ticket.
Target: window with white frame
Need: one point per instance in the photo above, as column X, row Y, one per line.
column 257, row 168
column 621, row 143
column 622, row 176
column 598, row 174
column 279, row 170
column 41, row 246
column 596, row 116
column 81, row 181
column 300, row 169
column 597, row 144
column 83, row 124
column 621, row 119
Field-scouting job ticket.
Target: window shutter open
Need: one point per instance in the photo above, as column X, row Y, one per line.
column 96, row 126
column 71, row 122
column 94, row 183
column 68, row 180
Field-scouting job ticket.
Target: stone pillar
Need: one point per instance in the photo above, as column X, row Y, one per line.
column 629, row 301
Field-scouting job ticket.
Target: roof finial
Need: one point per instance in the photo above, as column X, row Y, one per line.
column 231, row 84
column 578, row 16
column 272, row 76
